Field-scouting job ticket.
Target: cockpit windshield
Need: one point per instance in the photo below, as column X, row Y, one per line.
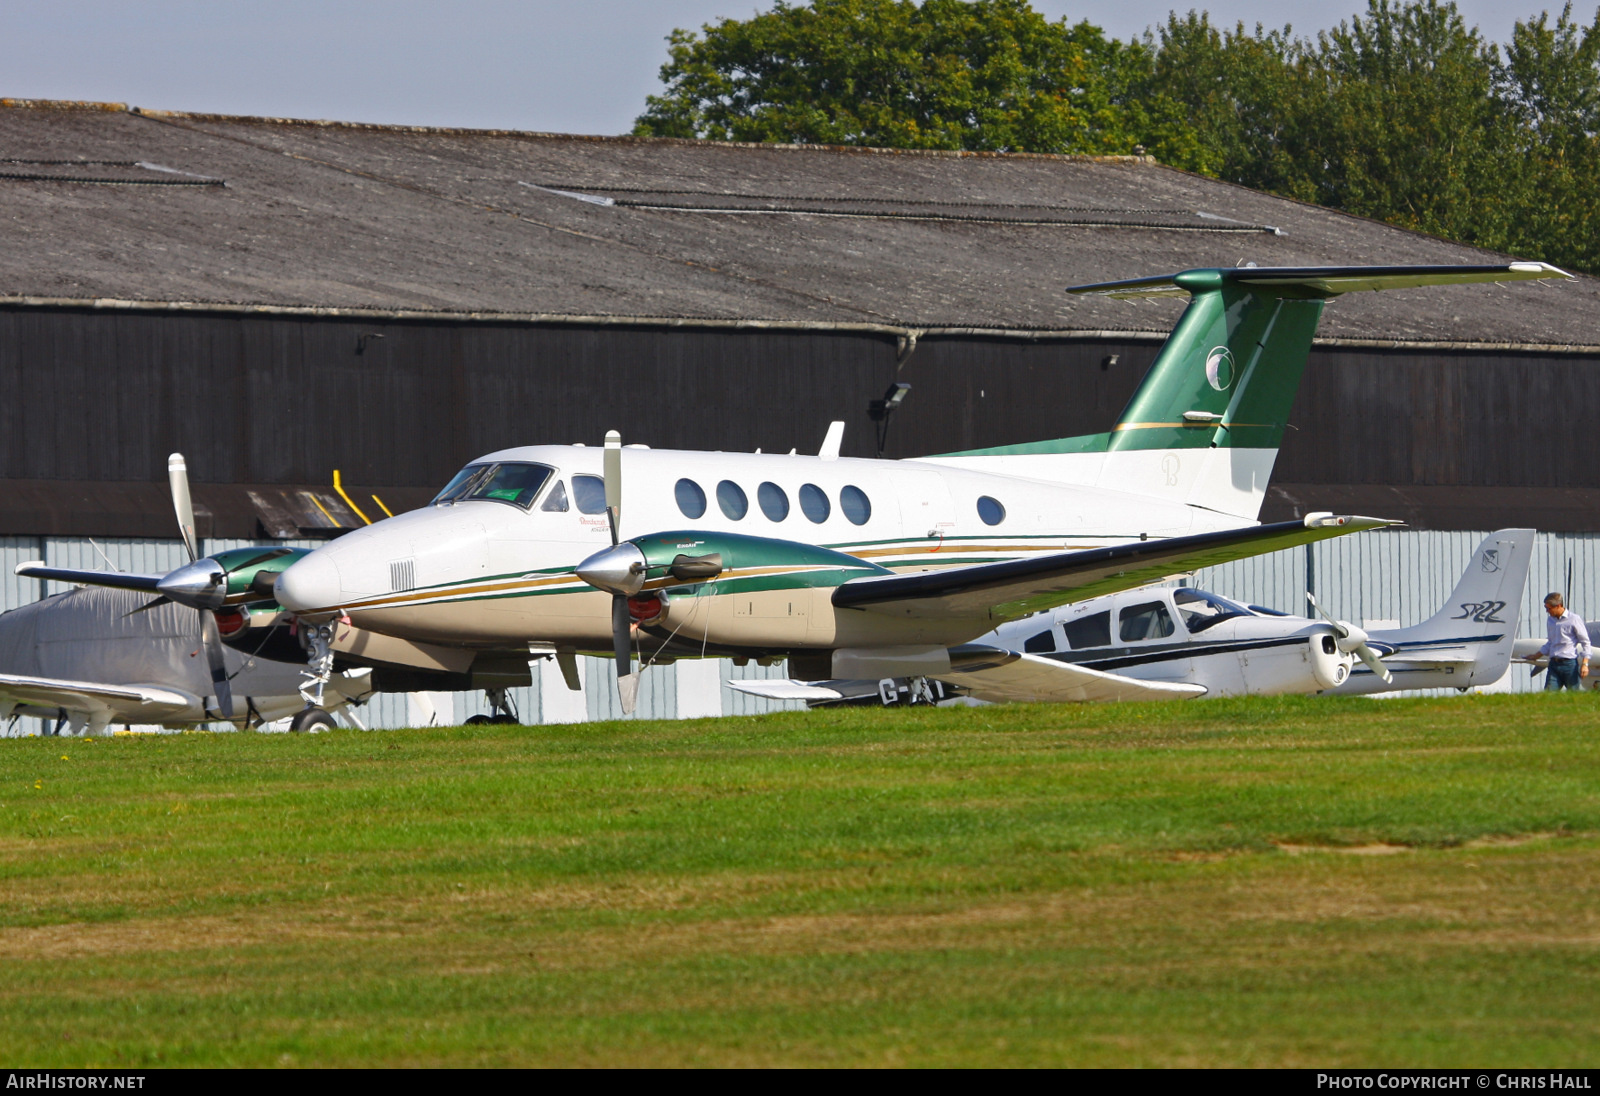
column 1201, row 609
column 508, row 481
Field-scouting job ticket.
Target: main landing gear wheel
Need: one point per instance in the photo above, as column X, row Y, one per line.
column 311, row 721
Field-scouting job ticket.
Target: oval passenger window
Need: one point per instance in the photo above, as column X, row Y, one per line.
column 856, row 506
column 814, row 503
column 691, row 498
column 731, row 497
column 774, row 503
column 991, row 511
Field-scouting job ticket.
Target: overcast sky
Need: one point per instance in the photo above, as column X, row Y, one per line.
column 537, row 65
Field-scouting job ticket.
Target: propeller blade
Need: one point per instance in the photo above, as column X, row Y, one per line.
column 613, row 481
column 216, row 657
column 178, row 477
column 1374, row 663
column 621, row 644
column 147, row 606
column 627, row 680
column 1340, row 629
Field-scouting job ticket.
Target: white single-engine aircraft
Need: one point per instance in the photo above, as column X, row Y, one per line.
column 1182, row 643
column 804, row 557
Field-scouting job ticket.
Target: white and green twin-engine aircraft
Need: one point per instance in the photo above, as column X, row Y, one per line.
column 850, row 568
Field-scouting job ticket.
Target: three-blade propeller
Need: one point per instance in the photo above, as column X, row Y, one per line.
column 200, row 584
column 1353, row 640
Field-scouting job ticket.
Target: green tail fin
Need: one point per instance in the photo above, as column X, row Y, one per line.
column 1227, row 375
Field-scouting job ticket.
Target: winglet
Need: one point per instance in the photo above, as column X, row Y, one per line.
column 834, row 439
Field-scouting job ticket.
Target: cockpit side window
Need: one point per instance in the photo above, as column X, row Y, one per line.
column 514, row 482
column 1200, row 609
column 1093, row 630
column 556, row 501
column 589, row 492
column 464, row 481
column 1148, row 621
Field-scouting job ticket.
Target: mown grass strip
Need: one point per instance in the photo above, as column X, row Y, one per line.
column 1256, row 882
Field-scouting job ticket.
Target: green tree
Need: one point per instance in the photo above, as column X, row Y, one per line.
column 1550, row 82
column 950, row 74
column 1220, row 102
column 1402, row 123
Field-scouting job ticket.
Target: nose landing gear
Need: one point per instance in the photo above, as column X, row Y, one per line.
column 318, row 642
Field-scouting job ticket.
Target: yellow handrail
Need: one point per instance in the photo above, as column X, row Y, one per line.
column 337, row 486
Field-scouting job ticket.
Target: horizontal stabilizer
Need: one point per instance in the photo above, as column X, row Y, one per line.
column 119, row 580
column 989, row 673
column 1322, row 281
column 1014, row 588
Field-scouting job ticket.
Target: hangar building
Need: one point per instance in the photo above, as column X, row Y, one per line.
column 278, row 299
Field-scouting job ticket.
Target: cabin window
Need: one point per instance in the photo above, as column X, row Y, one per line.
column 991, row 511
column 855, row 505
column 1148, row 621
column 691, row 498
column 556, row 501
column 1093, row 630
column 1042, row 643
column 514, row 482
column 1200, row 610
column 731, row 497
column 814, row 503
column 774, row 502
column 590, row 494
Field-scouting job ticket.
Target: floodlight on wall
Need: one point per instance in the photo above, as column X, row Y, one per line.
column 881, row 410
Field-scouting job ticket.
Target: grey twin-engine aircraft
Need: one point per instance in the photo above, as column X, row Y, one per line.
column 90, row 659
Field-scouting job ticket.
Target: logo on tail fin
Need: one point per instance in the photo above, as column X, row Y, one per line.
column 1481, row 612
column 1219, row 368
column 1491, row 560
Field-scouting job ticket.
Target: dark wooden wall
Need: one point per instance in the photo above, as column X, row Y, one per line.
column 104, row 396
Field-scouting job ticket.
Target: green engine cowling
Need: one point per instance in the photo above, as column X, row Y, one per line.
column 736, row 562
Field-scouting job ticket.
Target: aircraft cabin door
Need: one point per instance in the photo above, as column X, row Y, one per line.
column 927, row 512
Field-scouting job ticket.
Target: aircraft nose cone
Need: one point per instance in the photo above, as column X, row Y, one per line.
column 200, row 585
column 617, row 570
column 309, row 584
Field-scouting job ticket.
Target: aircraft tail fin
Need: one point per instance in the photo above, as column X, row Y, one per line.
column 1479, row 620
column 1206, row 422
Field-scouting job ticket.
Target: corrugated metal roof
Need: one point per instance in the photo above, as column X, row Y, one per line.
column 328, row 215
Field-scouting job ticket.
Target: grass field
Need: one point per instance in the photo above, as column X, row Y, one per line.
column 1264, row 882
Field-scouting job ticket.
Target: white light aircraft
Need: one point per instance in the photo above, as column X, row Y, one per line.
column 1184, row 643
column 806, row 557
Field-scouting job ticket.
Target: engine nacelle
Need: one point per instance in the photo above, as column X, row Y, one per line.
column 1330, row 667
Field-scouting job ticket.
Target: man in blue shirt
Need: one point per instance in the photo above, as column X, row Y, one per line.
column 1567, row 644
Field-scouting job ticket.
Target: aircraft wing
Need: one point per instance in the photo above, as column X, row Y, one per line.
column 126, row 703
column 1014, row 588
column 117, row 579
column 1324, row 280
column 990, row 673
